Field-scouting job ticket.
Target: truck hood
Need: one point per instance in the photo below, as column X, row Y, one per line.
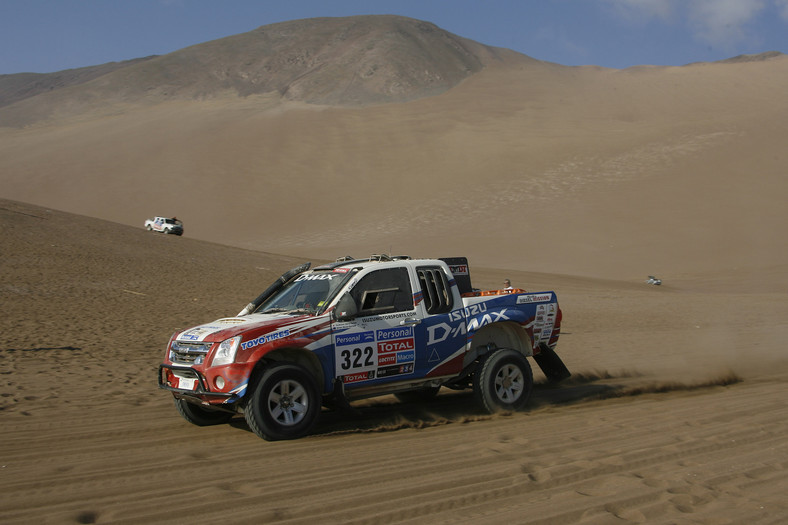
column 227, row 327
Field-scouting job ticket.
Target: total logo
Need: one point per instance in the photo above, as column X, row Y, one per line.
column 396, row 346
column 360, row 376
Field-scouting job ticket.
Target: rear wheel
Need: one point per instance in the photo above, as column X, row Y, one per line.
column 284, row 404
column 504, row 381
column 202, row 417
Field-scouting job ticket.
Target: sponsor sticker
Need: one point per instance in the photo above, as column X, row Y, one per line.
column 265, row 339
column 394, row 333
column 315, row 277
column 534, row 298
column 354, row 339
column 197, row 334
column 459, row 269
column 406, row 357
column 395, row 370
column 186, row 383
column 360, row 376
column 387, row 359
column 396, row 346
column 232, row 321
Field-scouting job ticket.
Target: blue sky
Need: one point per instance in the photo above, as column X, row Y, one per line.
column 50, row 35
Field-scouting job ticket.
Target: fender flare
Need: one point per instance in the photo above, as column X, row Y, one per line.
column 502, row 334
column 291, row 354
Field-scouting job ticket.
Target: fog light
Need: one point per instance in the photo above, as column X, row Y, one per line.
column 219, row 382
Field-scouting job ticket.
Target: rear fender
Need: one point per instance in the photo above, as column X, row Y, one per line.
column 507, row 334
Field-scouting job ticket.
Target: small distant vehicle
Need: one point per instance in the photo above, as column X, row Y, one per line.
column 165, row 225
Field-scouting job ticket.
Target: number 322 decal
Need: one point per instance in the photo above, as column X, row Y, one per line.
column 357, row 358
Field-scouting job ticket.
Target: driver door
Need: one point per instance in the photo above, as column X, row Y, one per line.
column 378, row 344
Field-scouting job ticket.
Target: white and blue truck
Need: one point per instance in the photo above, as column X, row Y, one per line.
column 358, row 328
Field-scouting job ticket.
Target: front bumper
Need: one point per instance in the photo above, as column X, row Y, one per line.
column 199, row 393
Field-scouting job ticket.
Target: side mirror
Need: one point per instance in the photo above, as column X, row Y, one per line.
column 346, row 308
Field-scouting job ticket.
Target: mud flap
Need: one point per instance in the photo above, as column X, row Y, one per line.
column 338, row 400
column 551, row 364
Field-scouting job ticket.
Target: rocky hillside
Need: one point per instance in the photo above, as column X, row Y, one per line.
column 20, row 86
column 338, row 61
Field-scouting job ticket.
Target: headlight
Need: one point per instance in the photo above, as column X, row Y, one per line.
column 225, row 354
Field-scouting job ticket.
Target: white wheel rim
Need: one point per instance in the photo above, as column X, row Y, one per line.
column 509, row 383
column 288, row 402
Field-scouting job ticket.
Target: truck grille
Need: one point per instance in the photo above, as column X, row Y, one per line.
column 189, row 353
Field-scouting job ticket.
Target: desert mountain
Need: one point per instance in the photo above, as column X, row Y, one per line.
column 513, row 162
column 20, row 86
column 339, row 61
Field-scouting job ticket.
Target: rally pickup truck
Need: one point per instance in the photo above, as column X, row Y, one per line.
column 360, row 328
column 164, row 225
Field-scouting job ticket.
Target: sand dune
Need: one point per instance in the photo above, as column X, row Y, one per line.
column 574, row 170
column 676, row 411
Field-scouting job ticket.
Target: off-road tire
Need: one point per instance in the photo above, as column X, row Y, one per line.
column 503, row 382
column 202, row 417
column 284, row 403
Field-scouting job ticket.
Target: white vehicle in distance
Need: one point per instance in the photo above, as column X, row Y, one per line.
column 165, row 225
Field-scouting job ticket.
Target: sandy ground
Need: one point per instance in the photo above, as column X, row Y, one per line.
column 677, row 411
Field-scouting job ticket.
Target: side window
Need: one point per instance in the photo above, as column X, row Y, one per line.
column 435, row 290
column 383, row 292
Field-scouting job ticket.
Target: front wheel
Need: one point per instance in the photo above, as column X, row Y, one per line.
column 202, row 417
column 503, row 382
column 284, row 404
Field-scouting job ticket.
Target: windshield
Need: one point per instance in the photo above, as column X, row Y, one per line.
column 310, row 292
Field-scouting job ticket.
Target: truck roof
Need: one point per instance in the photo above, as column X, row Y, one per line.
column 458, row 266
column 370, row 261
